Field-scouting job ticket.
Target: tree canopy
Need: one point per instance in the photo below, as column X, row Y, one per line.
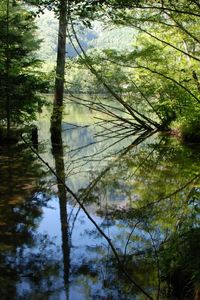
column 20, row 77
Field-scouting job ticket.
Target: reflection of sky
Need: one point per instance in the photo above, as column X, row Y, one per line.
column 87, row 245
column 84, row 232
column 84, row 240
column 89, row 161
column 88, row 248
column 85, row 153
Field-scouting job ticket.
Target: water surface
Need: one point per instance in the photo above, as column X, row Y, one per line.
column 142, row 191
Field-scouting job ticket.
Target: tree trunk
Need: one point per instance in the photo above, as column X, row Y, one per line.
column 7, row 70
column 60, row 66
column 56, row 117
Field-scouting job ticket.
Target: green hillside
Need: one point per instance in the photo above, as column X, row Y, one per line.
column 98, row 37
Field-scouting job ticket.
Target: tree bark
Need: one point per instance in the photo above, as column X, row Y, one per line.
column 56, row 118
column 7, row 69
column 60, row 66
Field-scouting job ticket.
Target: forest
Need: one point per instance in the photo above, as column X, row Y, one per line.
column 99, row 149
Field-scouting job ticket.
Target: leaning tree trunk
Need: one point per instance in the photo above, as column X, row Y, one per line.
column 60, row 70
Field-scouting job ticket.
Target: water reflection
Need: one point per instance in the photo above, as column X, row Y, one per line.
column 57, row 151
column 160, row 187
column 143, row 192
column 26, row 259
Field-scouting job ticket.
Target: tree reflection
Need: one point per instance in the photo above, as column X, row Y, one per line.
column 27, row 262
column 57, row 151
column 156, row 210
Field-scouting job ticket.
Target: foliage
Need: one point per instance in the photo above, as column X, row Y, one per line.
column 20, row 77
column 151, row 54
column 181, row 270
column 190, row 129
column 158, row 188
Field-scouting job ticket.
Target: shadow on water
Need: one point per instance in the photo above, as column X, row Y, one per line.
column 27, row 260
column 143, row 193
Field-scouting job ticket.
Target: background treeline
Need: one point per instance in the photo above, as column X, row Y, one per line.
column 95, row 39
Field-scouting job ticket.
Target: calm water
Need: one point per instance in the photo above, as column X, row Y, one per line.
column 141, row 191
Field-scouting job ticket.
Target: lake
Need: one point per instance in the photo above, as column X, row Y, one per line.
column 130, row 232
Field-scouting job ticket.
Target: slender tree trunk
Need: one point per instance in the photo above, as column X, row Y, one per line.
column 60, row 67
column 56, row 118
column 7, row 70
column 56, row 137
